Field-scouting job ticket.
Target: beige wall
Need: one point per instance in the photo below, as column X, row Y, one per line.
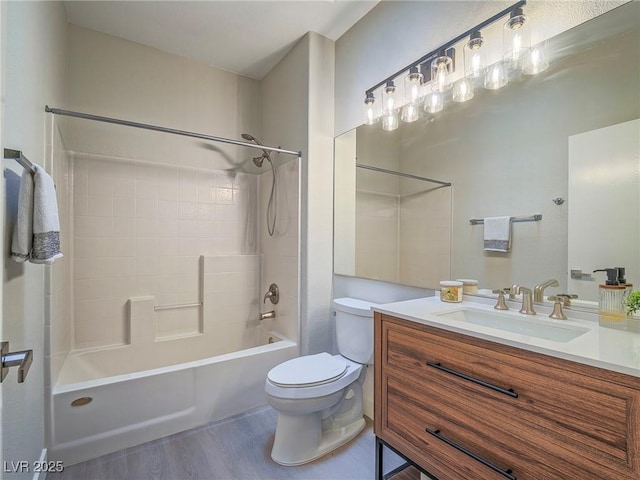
column 113, row 77
column 298, row 117
column 34, row 74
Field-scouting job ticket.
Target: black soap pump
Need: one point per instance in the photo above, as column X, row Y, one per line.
column 623, row 281
column 612, row 275
column 611, row 296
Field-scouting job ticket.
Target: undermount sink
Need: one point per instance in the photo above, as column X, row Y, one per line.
column 535, row 327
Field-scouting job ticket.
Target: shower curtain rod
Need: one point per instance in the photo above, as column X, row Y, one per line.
column 88, row 116
column 402, row 174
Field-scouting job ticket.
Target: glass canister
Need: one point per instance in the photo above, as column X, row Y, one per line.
column 451, row 291
column 611, row 304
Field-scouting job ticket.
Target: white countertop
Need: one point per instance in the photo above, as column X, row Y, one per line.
column 603, row 347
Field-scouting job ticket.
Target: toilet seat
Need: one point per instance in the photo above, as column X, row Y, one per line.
column 333, row 382
column 308, row 371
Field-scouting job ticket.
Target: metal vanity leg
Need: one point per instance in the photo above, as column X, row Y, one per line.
column 379, row 456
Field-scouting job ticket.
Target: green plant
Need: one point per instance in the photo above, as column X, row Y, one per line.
column 633, row 302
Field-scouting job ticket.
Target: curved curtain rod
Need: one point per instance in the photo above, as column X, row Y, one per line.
column 402, row 174
column 88, row 116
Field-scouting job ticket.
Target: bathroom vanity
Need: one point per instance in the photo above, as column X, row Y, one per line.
column 525, row 397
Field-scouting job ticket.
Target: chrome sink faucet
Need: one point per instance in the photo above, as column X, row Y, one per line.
column 538, row 290
column 527, row 304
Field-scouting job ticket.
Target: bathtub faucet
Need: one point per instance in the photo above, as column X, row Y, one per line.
column 270, row 314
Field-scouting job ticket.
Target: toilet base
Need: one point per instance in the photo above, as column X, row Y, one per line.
column 308, row 447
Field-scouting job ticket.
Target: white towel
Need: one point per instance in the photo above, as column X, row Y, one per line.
column 36, row 236
column 497, row 234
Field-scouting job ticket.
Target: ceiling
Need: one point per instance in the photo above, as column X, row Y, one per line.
column 245, row 37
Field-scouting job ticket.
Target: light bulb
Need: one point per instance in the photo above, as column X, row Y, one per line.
column 390, row 121
column 495, row 77
column 516, row 37
column 410, row 113
column 441, row 69
column 462, row 90
column 434, row 102
column 473, row 56
column 370, row 111
column 413, row 86
column 389, row 97
column 536, row 61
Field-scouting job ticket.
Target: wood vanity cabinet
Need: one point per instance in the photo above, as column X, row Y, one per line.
column 466, row 408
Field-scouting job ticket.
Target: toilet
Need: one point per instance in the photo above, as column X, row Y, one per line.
column 319, row 397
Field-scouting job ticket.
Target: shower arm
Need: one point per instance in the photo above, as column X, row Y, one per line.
column 156, row 128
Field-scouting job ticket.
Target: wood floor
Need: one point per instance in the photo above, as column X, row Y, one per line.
column 238, row 448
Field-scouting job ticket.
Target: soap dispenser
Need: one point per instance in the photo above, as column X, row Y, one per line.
column 623, row 281
column 611, row 296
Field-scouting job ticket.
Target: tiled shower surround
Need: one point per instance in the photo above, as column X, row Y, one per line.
column 140, row 229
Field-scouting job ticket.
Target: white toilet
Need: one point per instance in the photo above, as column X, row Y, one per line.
column 319, row 397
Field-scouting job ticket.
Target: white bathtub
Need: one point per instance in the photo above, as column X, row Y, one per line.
column 132, row 403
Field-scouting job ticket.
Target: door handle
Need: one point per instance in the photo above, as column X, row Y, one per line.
column 21, row 359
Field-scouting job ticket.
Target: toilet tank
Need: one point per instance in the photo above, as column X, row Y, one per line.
column 354, row 329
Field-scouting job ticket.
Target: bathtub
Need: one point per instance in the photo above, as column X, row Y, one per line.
column 114, row 398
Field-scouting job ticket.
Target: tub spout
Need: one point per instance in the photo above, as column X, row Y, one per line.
column 270, row 314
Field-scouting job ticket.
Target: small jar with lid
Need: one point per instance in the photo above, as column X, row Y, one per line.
column 469, row 286
column 451, row 291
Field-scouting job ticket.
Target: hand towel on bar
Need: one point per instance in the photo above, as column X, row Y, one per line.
column 23, row 229
column 37, row 232
column 497, row 234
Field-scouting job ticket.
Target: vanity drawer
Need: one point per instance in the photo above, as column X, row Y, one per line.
column 582, row 420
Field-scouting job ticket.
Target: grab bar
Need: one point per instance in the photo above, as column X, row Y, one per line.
column 181, row 305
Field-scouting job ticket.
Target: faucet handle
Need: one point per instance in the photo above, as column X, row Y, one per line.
column 272, row 294
column 557, row 313
column 565, row 298
column 500, row 305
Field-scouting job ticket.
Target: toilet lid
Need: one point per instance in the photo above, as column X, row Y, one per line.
column 307, row 371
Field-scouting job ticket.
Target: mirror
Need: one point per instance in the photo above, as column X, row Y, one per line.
column 505, row 153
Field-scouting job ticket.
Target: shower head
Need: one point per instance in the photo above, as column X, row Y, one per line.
column 257, row 160
column 251, row 138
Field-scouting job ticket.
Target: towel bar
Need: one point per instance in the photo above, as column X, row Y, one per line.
column 20, row 158
column 533, row 218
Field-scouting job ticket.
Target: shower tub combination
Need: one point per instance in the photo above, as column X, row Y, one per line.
column 110, row 399
column 156, row 384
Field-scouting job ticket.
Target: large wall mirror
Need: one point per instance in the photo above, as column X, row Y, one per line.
column 564, row 144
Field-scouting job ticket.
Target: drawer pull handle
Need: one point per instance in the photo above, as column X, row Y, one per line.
column 509, row 392
column 504, row 473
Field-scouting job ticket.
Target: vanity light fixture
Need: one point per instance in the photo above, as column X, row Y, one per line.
column 496, row 76
column 462, row 90
column 412, row 95
column 434, row 102
column 536, row 60
column 474, row 55
column 435, row 73
column 441, row 71
column 371, row 115
column 390, row 107
column 516, row 38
